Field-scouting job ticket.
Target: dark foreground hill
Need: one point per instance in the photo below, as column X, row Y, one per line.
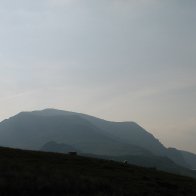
column 41, row 173
column 160, row 162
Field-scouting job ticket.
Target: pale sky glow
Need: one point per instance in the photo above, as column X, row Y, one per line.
column 121, row 60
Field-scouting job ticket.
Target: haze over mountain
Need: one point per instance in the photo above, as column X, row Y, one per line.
column 114, row 59
column 30, row 130
column 87, row 134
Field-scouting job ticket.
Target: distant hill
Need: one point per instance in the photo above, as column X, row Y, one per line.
column 88, row 134
column 190, row 158
column 41, row 173
column 177, row 156
column 58, row 147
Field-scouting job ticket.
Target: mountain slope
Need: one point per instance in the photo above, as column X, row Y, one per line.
column 30, row 131
column 190, row 158
column 177, row 156
column 127, row 132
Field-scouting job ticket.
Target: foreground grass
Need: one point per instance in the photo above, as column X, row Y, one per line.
column 37, row 173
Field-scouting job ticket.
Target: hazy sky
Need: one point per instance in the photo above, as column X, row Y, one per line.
column 132, row 60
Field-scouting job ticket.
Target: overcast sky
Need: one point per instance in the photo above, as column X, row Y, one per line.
column 121, row 60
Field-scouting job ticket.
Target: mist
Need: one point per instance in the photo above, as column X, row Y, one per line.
column 121, row 60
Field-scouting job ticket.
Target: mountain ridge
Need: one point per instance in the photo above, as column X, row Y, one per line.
column 31, row 130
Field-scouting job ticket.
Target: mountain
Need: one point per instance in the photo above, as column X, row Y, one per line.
column 127, row 132
column 178, row 157
column 42, row 173
column 30, row 130
column 189, row 158
column 88, row 134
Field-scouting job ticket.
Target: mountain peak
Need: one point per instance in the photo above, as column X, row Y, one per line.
column 89, row 134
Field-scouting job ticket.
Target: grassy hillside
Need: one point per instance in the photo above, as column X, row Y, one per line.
column 40, row 173
column 160, row 163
